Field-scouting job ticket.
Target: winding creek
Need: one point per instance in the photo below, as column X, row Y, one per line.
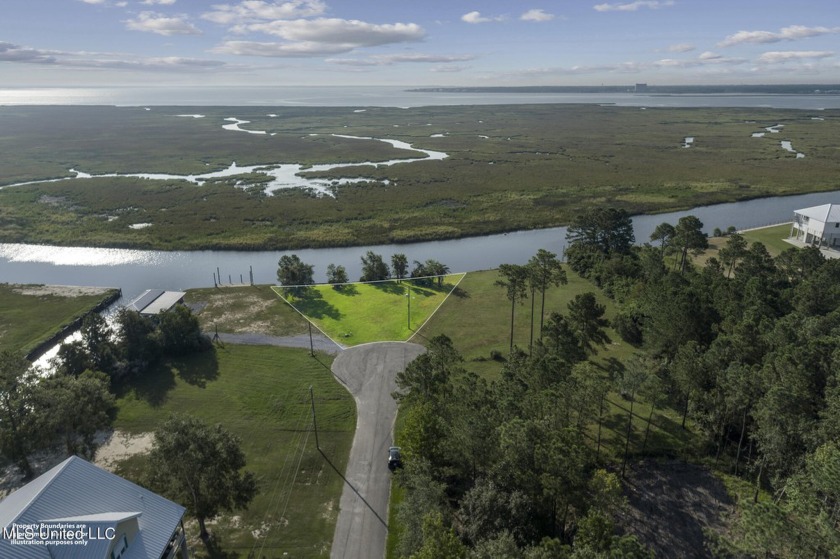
column 284, row 175
column 134, row 271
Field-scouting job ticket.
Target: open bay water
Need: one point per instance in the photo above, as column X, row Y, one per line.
column 381, row 96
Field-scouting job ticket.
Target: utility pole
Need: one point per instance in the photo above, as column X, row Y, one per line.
column 408, row 285
column 311, row 347
column 314, row 423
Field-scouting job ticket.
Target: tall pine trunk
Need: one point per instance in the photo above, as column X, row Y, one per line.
column 629, row 428
column 512, row 307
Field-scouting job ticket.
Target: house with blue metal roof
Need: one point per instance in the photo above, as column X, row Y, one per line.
column 79, row 511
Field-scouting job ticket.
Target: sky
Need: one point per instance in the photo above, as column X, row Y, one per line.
column 418, row 42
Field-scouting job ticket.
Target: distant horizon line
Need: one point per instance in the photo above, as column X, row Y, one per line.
column 416, row 87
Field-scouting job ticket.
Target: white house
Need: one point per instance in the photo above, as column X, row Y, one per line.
column 819, row 225
column 79, row 511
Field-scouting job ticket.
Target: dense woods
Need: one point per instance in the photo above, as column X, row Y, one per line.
column 743, row 348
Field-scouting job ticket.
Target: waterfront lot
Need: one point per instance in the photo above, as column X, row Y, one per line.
column 358, row 313
column 31, row 314
column 509, row 167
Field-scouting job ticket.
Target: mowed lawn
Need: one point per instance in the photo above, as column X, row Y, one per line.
column 370, row 312
column 261, row 394
column 30, row 314
column 477, row 318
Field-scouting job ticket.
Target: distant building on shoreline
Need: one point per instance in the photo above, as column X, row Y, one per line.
column 817, row 225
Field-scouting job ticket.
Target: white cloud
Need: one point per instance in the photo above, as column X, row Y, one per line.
column 334, row 31
column 10, row 52
column 790, row 33
column 92, row 60
column 448, row 69
column 634, row 6
column 390, row 59
column 280, row 50
column 250, row 11
column 94, row 1
column 778, row 57
column 160, row 2
column 151, row 22
column 707, row 58
column 476, row 17
column 682, row 47
column 536, row 14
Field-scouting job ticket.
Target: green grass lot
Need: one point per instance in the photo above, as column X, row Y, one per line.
column 260, row 394
column 510, row 167
column 359, row 313
column 477, row 318
column 772, row 237
column 31, row 314
column 244, row 309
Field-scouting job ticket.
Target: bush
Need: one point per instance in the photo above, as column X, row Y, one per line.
column 628, row 328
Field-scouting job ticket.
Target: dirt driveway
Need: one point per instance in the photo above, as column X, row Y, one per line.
column 368, row 371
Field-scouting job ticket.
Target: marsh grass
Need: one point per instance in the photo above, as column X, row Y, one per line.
column 537, row 167
column 261, row 394
column 359, row 313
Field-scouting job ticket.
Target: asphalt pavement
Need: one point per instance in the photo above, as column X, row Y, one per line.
column 368, row 371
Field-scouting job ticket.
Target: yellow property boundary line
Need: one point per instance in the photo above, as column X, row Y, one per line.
column 434, row 312
column 276, row 288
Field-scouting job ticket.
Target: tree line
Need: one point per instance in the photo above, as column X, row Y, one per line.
column 292, row 271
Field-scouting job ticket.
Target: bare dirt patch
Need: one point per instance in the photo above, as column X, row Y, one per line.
column 244, row 310
column 59, row 290
column 116, row 446
column 672, row 505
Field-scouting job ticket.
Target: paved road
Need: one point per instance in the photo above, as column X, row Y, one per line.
column 319, row 341
column 368, row 371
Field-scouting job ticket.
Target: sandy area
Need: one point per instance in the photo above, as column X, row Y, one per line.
column 59, row 290
column 116, row 446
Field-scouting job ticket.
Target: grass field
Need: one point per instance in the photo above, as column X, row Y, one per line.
column 772, row 237
column 359, row 313
column 260, row 394
column 31, row 314
column 510, row 167
column 478, row 319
